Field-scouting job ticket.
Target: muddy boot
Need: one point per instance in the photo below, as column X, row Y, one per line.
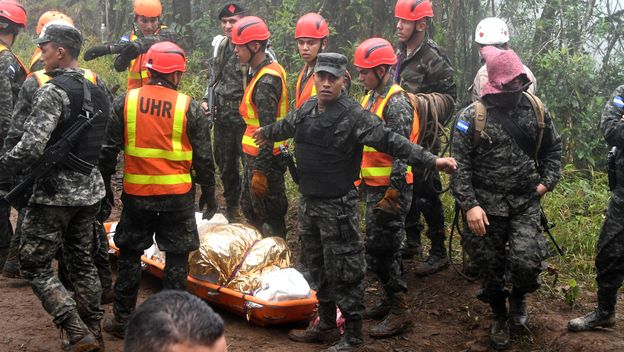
column 79, row 337
column 233, row 214
column 315, row 333
column 396, row 321
column 108, row 295
column 352, row 341
column 114, row 327
column 96, row 329
column 601, row 317
column 379, row 311
column 518, row 314
column 432, row 265
column 499, row 331
column 410, row 252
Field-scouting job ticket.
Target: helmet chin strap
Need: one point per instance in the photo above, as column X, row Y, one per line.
column 253, row 53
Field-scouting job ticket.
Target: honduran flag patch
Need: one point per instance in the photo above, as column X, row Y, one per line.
column 462, row 126
column 618, row 101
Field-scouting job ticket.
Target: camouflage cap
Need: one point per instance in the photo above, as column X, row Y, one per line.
column 333, row 63
column 232, row 8
column 62, row 34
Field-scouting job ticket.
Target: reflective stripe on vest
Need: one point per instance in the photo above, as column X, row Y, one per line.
column 377, row 166
column 35, row 58
column 42, row 78
column 309, row 90
column 137, row 73
column 19, row 61
column 249, row 111
column 157, row 153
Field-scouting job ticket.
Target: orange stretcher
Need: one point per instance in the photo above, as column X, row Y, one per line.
column 256, row 310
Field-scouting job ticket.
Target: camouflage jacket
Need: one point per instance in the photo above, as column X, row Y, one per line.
column 612, row 127
column 23, row 108
column 398, row 117
column 229, row 87
column 497, row 174
column 11, row 78
column 357, row 128
column 198, row 131
column 50, row 106
column 164, row 34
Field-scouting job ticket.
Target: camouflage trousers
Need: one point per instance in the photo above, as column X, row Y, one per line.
column 6, row 232
column 426, row 201
column 334, row 254
column 14, row 244
column 176, row 234
column 384, row 238
column 610, row 251
column 45, row 229
column 513, row 249
column 270, row 211
column 228, row 136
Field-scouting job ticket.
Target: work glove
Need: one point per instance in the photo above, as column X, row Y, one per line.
column 388, row 207
column 131, row 50
column 96, row 51
column 207, row 200
column 259, row 184
column 106, row 204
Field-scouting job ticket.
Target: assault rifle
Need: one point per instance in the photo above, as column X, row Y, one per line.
column 53, row 155
column 547, row 225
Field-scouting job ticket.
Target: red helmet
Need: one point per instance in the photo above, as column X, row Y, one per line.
column 165, row 57
column 249, row 29
column 374, row 52
column 413, row 10
column 147, row 8
column 311, row 25
column 14, row 12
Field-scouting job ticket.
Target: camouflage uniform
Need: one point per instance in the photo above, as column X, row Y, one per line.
column 501, row 178
column 328, row 226
column 11, row 78
column 170, row 217
column 229, row 126
column 272, row 209
column 426, row 70
column 64, row 217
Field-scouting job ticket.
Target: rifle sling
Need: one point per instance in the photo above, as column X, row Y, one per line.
column 518, row 134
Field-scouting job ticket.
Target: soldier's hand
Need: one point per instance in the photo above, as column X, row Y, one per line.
column 477, row 220
column 541, row 190
column 448, row 165
column 131, row 50
column 207, row 199
column 259, row 138
column 259, row 184
column 204, row 106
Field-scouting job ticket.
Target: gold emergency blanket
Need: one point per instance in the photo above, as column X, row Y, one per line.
column 236, row 256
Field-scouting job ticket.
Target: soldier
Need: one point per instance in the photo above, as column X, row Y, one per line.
column 493, row 31
column 386, row 183
column 610, row 251
column 501, row 176
column 158, row 187
column 226, row 81
column 62, row 209
column 45, row 18
column 12, row 75
column 330, row 131
column 311, row 34
column 265, row 101
column 423, row 69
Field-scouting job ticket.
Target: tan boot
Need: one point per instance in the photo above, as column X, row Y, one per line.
column 315, row 334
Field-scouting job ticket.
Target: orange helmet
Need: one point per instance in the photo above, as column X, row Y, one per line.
column 165, row 57
column 413, row 10
column 374, row 52
column 52, row 16
column 147, row 8
column 14, row 12
column 311, row 25
column 249, row 29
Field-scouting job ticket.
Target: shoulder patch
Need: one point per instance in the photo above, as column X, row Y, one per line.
column 618, row 101
column 462, row 126
column 11, row 70
column 125, row 38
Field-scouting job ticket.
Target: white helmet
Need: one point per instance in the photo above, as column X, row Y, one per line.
column 492, row 31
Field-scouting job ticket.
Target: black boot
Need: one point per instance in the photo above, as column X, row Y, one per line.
column 601, row 317
column 499, row 331
column 518, row 313
column 80, row 339
column 352, row 341
column 396, row 321
column 380, row 310
column 96, row 329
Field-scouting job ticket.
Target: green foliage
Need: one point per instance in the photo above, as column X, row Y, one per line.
column 571, row 292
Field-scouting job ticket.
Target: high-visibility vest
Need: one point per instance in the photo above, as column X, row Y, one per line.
column 137, row 73
column 249, row 111
column 157, row 152
column 308, row 91
column 35, row 58
column 377, row 166
column 19, row 61
column 42, row 78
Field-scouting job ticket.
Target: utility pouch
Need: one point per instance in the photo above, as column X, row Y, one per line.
column 611, row 168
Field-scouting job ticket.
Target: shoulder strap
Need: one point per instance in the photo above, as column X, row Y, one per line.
column 539, row 111
column 479, row 121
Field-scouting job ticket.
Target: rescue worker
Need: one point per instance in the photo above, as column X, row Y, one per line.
column 62, row 209
column 610, row 249
column 45, row 18
column 311, row 34
column 493, row 31
column 160, row 156
column 501, row 177
column 265, row 101
column 133, row 46
column 330, row 131
column 226, row 81
column 386, row 183
column 423, row 69
column 12, row 75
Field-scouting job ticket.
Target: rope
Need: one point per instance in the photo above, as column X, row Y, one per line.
column 450, row 248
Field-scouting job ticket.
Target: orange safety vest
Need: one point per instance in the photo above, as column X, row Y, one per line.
column 35, row 58
column 19, row 61
column 157, row 152
column 377, row 166
column 249, row 111
column 137, row 73
column 309, row 90
column 42, row 78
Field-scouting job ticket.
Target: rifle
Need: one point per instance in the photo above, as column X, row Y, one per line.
column 292, row 168
column 547, row 225
column 611, row 170
column 53, row 155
